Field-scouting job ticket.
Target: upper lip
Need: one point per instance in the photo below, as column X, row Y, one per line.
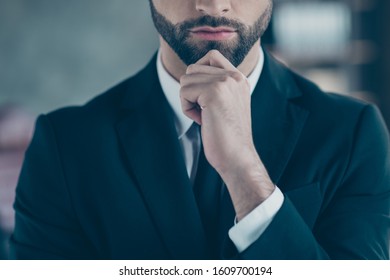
column 212, row 29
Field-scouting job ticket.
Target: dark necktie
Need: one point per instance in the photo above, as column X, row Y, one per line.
column 207, row 190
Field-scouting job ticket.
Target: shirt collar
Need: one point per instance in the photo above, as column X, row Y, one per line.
column 171, row 89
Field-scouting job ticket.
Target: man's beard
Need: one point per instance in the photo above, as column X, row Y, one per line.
column 178, row 36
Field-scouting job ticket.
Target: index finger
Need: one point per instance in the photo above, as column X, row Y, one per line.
column 216, row 59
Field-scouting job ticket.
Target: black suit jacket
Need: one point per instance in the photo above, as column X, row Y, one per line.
column 107, row 180
column 3, row 254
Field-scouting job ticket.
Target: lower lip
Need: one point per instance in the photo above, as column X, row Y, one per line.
column 214, row 36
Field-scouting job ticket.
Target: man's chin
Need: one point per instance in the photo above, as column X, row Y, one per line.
column 193, row 50
column 203, row 47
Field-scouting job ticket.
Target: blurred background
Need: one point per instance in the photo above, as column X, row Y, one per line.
column 56, row 53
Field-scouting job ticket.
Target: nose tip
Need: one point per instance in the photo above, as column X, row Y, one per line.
column 214, row 13
column 213, row 8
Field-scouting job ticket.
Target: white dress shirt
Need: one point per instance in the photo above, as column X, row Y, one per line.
column 250, row 228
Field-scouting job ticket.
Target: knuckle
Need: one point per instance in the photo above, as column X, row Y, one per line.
column 225, row 78
column 232, row 77
column 237, row 76
column 205, row 99
column 190, row 69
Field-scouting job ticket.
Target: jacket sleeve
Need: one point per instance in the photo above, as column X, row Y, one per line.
column 41, row 233
column 356, row 224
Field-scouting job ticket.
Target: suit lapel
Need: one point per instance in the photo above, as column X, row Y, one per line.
column 277, row 121
column 150, row 142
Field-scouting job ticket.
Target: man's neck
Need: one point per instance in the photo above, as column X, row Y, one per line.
column 176, row 68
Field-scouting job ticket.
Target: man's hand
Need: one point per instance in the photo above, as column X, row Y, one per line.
column 217, row 96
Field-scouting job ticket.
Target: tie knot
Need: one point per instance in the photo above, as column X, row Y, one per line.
column 193, row 132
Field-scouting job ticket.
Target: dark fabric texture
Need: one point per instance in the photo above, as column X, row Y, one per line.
column 3, row 253
column 107, row 180
column 207, row 191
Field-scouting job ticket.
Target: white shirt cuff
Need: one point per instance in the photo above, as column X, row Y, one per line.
column 252, row 226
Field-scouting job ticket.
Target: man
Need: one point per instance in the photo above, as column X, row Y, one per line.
column 214, row 150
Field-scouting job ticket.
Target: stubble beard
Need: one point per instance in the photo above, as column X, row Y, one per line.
column 179, row 38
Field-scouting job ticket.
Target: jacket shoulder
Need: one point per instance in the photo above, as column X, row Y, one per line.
column 106, row 107
column 334, row 107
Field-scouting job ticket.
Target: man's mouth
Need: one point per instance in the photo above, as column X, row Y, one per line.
column 213, row 33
